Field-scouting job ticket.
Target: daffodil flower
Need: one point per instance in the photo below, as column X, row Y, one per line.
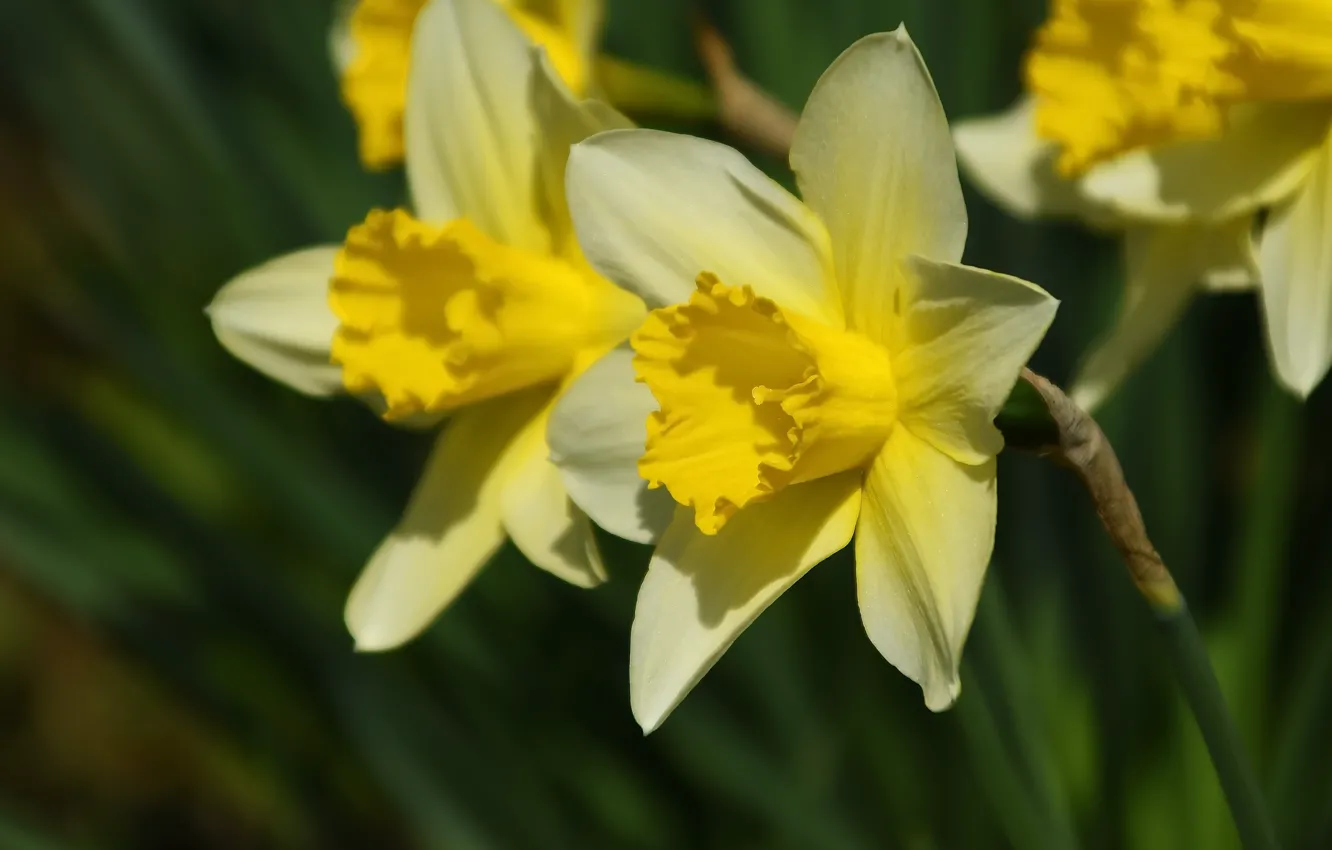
column 372, row 41
column 372, row 48
column 1192, row 126
column 480, row 308
column 808, row 371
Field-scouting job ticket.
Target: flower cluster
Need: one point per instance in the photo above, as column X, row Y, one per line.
column 643, row 331
column 1203, row 130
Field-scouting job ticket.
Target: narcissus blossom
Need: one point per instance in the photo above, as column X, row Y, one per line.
column 373, row 50
column 809, row 371
column 479, row 308
column 1195, row 126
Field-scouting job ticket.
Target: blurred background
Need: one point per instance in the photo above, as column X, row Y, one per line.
column 177, row 533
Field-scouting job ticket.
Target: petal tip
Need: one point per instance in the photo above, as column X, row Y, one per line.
column 648, row 713
column 368, row 641
column 648, row 726
column 940, row 696
column 1302, row 385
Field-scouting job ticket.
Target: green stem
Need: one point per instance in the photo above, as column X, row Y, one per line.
column 1193, row 669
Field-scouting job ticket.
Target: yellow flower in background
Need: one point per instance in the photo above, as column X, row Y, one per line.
column 479, row 307
column 809, row 371
column 1195, row 126
column 373, row 51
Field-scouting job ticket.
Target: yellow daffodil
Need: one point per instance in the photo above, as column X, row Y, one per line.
column 372, row 41
column 809, row 371
column 1194, row 126
column 372, row 47
column 481, row 307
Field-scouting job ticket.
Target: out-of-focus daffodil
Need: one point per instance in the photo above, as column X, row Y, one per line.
column 810, row 370
column 481, row 307
column 1194, row 125
column 372, row 48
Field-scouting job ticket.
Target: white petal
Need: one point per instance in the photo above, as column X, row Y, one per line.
column 450, row 529
column 702, row 591
column 654, row 209
column 1263, row 157
column 540, row 519
column 597, row 433
column 1164, row 266
column 469, row 128
column 874, row 159
column 562, row 121
column 276, row 318
column 1014, row 167
column 968, row 334
column 1296, row 260
column 922, row 545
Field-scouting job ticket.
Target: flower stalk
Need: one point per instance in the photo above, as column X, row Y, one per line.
column 1077, row 442
column 745, row 110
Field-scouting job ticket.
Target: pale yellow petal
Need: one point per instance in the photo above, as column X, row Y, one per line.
column 1164, row 267
column 701, row 591
column 968, row 334
column 1296, row 261
column 874, row 158
column 654, row 209
column 562, row 120
column 1014, row 167
column 1261, row 158
column 276, row 318
column 449, row 531
column 540, row 519
column 924, row 539
column 597, row 432
column 578, row 21
column 470, row 128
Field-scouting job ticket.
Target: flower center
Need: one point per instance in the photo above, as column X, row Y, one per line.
column 1113, row 75
column 437, row 316
column 752, row 398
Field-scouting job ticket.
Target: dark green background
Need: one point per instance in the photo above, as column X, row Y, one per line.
column 177, row 533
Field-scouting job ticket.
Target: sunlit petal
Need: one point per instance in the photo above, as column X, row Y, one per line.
column 969, row 332
column 276, row 318
column 470, row 127
column 597, row 432
column 702, row 591
column 655, row 209
column 562, row 120
column 1296, row 260
column 874, row 158
column 452, row 526
column 1262, row 157
column 924, row 539
column 535, row 509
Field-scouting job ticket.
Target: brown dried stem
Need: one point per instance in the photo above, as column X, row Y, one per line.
column 1083, row 448
column 743, row 108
